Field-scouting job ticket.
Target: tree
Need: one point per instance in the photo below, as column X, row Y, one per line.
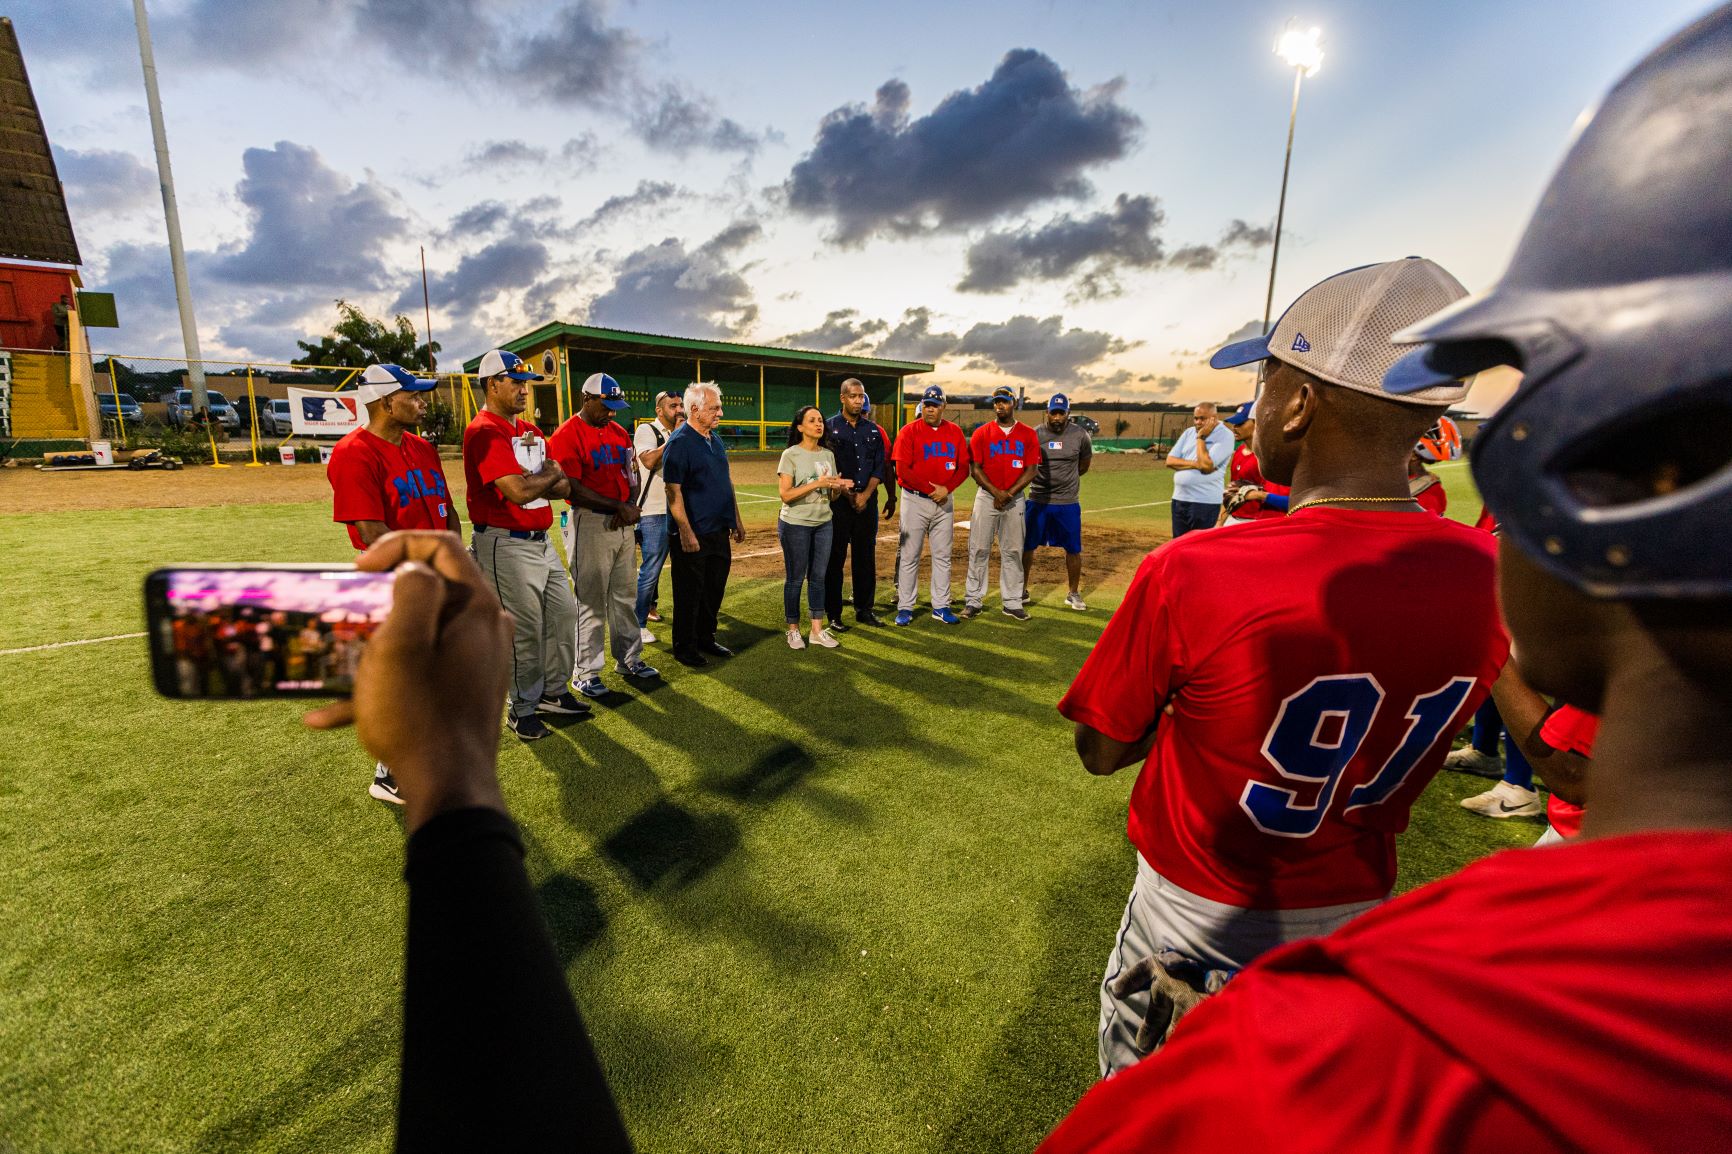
column 357, row 340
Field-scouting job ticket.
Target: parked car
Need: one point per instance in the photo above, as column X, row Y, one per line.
column 276, row 419
column 128, row 408
column 1089, row 425
column 180, row 409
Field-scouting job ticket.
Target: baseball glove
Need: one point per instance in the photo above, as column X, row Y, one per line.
column 1175, row 984
column 1243, row 495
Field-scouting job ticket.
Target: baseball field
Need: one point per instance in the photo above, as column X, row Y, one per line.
column 851, row 900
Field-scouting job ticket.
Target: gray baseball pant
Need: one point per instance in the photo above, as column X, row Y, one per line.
column 604, row 571
column 924, row 521
column 531, row 585
column 1161, row 916
column 1006, row 525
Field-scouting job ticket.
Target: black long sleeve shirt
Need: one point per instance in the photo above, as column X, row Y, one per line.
column 859, row 450
column 495, row 1056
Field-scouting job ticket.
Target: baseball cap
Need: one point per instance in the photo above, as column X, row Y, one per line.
column 496, row 361
column 1058, row 403
column 603, row 386
column 1004, row 393
column 1240, row 414
column 1339, row 329
column 932, row 396
column 380, row 381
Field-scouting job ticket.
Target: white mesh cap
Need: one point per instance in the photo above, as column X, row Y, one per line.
column 1339, row 329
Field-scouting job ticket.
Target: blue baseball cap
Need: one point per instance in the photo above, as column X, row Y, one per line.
column 380, row 381
column 1004, row 393
column 497, row 361
column 1058, row 403
column 932, row 396
column 603, row 386
column 1240, row 414
column 866, row 405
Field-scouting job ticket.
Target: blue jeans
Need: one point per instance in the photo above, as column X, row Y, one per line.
column 653, row 537
column 1189, row 515
column 1488, row 726
column 805, row 558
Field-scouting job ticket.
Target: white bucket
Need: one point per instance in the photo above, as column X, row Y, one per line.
column 103, row 451
column 324, row 454
column 287, row 454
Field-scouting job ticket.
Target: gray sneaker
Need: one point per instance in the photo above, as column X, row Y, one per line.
column 640, row 669
column 1019, row 613
column 1470, row 760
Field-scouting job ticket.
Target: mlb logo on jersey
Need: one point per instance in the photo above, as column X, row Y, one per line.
column 605, row 454
column 1004, row 448
column 418, row 483
column 937, row 449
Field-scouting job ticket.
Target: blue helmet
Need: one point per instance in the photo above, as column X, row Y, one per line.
column 1617, row 307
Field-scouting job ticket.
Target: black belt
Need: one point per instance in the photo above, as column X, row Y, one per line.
column 516, row 534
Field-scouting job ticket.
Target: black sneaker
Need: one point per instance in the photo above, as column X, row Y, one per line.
column 566, row 703
column 970, row 612
column 689, row 659
column 529, row 728
column 384, row 786
column 836, row 625
column 1019, row 613
column 869, row 618
column 715, row 649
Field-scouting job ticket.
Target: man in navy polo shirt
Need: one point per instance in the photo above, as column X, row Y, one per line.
column 861, row 457
column 702, row 504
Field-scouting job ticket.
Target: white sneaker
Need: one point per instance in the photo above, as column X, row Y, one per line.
column 1075, row 601
column 795, row 641
column 1467, row 759
column 823, row 637
column 1506, row 799
column 645, row 636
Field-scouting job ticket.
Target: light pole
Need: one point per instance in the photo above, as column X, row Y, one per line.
column 1303, row 52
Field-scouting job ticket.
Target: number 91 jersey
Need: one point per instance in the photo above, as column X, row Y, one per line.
column 1308, row 711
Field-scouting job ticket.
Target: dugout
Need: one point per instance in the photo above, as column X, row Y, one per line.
column 762, row 386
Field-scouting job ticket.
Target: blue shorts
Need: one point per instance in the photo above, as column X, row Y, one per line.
column 1059, row 525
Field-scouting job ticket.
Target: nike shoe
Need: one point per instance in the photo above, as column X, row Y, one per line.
column 824, row 638
column 970, row 612
column 591, row 686
column 639, row 670
column 645, row 636
column 904, row 617
column 1075, row 601
column 838, row 626
column 1470, row 760
column 1019, row 613
column 528, row 728
column 795, row 641
column 384, row 786
column 562, row 703
column 1506, row 799
column 943, row 613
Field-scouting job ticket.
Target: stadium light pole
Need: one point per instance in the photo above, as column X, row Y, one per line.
column 1303, row 52
column 171, row 214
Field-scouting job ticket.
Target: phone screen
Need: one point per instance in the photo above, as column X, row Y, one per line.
column 245, row 631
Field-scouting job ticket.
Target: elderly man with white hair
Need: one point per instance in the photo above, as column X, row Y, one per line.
column 1200, row 456
column 705, row 515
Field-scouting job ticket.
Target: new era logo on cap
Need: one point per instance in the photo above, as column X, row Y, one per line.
column 603, row 386
column 1300, row 344
column 497, row 361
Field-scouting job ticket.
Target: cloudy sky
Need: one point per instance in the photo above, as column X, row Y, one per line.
column 1076, row 194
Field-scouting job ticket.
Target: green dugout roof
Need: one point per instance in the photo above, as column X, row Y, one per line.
column 620, row 340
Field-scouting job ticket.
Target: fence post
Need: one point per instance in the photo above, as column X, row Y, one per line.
column 114, row 387
column 763, row 415
column 253, row 407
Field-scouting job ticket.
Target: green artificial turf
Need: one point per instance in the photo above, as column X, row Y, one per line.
column 820, row 901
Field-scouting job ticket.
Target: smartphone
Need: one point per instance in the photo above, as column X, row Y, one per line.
column 255, row 631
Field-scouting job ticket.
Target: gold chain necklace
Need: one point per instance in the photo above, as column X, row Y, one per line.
column 1345, row 500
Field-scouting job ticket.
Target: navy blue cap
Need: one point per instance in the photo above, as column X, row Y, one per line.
column 1240, row 414
column 1004, row 393
column 603, row 386
column 932, row 396
column 1058, row 403
column 497, row 361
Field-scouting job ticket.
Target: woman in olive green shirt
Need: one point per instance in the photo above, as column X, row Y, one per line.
column 806, row 475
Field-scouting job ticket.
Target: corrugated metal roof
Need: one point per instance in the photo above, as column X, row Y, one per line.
column 651, row 342
column 34, row 223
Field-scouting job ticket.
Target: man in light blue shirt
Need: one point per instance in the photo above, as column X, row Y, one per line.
column 1200, row 457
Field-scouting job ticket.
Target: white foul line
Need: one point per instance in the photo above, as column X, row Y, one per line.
column 66, row 644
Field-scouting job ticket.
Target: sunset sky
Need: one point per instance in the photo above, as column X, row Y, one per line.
column 1073, row 195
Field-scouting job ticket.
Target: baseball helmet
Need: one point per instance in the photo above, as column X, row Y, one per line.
column 1608, row 466
column 1442, row 442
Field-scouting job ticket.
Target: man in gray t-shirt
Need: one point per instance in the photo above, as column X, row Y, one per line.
column 1053, row 515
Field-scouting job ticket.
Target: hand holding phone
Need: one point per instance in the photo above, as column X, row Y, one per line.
column 431, row 686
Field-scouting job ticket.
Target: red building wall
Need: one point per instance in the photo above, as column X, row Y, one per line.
column 28, row 295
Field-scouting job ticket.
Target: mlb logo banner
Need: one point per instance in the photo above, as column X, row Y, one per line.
column 315, row 413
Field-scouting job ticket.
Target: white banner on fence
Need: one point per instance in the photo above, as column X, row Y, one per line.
column 316, row 413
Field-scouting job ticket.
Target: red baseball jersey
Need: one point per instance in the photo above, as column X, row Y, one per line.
column 1379, row 1037
column 401, row 485
column 1433, row 498
column 1243, row 470
column 598, row 459
column 1572, row 730
column 1004, row 455
column 927, row 457
column 1305, row 717
column 493, row 448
